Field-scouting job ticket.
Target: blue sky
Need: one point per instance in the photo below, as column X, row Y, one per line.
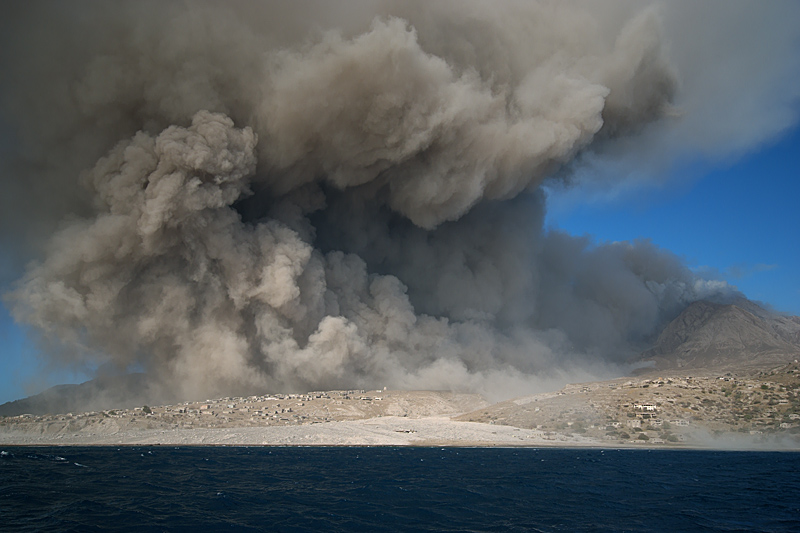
column 738, row 221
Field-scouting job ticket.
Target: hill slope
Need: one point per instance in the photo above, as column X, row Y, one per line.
column 724, row 336
column 110, row 392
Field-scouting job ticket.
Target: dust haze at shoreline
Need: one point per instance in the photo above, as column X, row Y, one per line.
column 305, row 196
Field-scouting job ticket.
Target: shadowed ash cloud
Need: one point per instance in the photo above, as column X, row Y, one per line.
column 300, row 195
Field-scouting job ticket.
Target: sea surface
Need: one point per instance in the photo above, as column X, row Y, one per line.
column 395, row 489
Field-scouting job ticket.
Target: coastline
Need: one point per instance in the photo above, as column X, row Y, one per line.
column 373, row 432
column 380, row 431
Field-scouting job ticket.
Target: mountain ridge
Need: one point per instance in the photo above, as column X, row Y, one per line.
column 104, row 392
column 722, row 336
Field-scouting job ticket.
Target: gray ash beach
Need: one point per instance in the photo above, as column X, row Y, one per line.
column 384, row 431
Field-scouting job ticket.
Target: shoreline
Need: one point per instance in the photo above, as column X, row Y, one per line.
column 428, row 432
column 381, row 431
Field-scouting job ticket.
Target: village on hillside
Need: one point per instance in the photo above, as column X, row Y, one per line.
column 661, row 410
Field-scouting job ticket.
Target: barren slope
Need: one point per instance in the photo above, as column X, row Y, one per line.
column 724, row 337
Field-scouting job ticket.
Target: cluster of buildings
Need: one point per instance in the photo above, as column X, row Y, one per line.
column 264, row 410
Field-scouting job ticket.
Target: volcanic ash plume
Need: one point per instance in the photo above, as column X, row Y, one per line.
column 355, row 207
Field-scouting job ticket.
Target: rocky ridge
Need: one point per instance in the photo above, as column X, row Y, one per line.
column 722, row 337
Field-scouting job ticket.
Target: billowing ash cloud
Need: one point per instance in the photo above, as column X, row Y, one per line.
column 300, row 195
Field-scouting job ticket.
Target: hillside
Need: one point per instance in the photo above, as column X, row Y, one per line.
column 662, row 410
column 724, row 337
column 107, row 392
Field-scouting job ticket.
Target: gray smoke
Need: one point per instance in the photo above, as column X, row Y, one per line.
column 304, row 195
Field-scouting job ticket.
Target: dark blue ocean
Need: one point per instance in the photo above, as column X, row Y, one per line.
column 395, row 489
